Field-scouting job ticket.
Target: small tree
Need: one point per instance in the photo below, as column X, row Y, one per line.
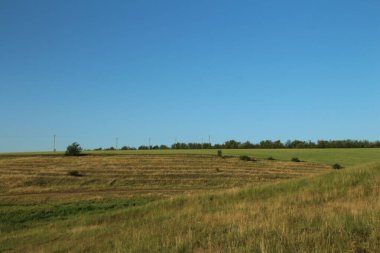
column 73, row 149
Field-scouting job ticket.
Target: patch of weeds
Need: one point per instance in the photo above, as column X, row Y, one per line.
column 295, row 159
column 36, row 182
column 271, row 158
column 74, row 173
column 112, row 182
column 246, row 158
column 337, row 166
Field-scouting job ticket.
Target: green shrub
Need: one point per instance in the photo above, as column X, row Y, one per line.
column 73, row 149
column 246, row 158
column 220, row 153
column 295, row 159
column 337, row 166
column 270, row 158
column 74, row 173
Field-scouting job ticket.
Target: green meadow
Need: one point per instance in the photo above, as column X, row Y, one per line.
column 347, row 157
column 191, row 201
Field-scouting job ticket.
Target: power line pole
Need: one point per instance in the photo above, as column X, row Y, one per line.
column 54, row 144
column 149, row 142
column 117, row 141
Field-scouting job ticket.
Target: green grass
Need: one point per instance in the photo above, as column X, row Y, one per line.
column 21, row 216
column 346, row 157
column 334, row 212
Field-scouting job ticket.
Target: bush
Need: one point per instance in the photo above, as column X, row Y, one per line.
column 295, row 159
column 271, row 158
column 220, row 153
column 73, row 149
column 246, row 158
column 74, row 173
column 337, row 166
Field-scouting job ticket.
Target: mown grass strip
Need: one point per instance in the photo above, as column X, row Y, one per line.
column 14, row 217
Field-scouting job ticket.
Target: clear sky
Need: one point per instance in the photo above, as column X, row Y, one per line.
column 91, row 71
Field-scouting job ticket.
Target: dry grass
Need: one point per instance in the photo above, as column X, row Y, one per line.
column 209, row 205
column 46, row 177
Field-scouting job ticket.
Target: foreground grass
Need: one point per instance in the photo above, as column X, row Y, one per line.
column 15, row 217
column 334, row 212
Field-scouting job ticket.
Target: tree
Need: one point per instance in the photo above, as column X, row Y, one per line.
column 73, row 149
column 231, row 144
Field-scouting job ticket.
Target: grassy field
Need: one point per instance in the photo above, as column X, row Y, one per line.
column 154, row 201
column 346, row 157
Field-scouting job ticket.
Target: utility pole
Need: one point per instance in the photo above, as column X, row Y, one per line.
column 117, row 140
column 54, row 143
column 209, row 139
column 149, row 142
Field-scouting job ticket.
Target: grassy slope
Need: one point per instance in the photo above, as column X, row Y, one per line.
column 334, row 212
column 347, row 157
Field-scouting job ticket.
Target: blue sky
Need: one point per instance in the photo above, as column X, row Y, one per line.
column 91, row 71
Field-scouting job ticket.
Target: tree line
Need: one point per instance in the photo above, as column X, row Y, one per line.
column 265, row 144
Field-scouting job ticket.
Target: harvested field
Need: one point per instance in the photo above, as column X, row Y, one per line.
column 184, row 203
column 48, row 177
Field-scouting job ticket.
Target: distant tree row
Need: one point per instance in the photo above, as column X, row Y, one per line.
column 269, row 144
column 266, row 144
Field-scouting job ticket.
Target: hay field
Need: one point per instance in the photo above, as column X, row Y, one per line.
column 185, row 203
column 47, row 177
